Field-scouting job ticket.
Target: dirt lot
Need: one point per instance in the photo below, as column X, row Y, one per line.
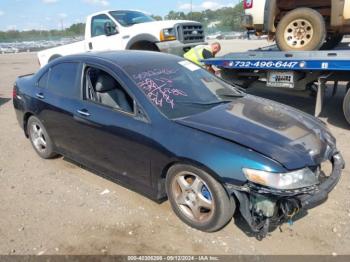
column 55, row 207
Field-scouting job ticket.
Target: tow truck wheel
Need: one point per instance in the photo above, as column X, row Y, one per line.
column 302, row 29
column 346, row 106
column 332, row 41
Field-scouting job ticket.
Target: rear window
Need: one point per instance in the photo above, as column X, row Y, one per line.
column 63, row 79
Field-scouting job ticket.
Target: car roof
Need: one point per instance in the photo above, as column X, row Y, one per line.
column 126, row 57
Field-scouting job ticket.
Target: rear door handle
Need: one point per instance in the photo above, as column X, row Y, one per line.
column 83, row 112
column 40, row 95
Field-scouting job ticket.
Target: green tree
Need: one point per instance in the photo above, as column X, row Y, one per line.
column 157, row 17
column 228, row 18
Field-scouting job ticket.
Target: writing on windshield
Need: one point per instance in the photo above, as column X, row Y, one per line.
column 157, row 85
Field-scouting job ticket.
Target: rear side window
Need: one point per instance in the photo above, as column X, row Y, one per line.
column 63, row 79
column 43, row 80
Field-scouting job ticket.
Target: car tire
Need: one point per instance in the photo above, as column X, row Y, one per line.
column 332, row 41
column 40, row 139
column 198, row 199
column 302, row 29
column 346, row 106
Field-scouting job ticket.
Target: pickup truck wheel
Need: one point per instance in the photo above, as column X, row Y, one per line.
column 346, row 106
column 198, row 199
column 54, row 57
column 145, row 46
column 332, row 41
column 39, row 138
column 302, row 29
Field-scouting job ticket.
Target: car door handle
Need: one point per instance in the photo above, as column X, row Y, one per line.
column 40, row 95
column 83, row 112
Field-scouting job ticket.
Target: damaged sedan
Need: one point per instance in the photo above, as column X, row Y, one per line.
column 168, row 129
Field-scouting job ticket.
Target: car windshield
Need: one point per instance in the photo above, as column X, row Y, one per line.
column 128, row 18
column 181, row 88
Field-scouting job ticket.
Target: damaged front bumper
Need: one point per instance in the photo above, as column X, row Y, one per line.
column 264, row 207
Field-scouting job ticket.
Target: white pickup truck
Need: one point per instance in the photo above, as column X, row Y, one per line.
column 299, row 25
column 128, row 29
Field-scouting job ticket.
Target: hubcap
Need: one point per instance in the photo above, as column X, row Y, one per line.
column 38, row 137
column 298, row 33
column 193, row 197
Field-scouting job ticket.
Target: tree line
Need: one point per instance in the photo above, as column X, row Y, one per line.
column 15, row 35
column 224, row 19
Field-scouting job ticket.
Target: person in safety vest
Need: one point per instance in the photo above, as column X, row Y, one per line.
column 200, row 52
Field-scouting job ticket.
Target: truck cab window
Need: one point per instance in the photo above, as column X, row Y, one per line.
column 102, row 88
column 98, row 25
column 63, row 79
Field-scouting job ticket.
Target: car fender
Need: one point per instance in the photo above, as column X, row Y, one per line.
column 221, row 158
column 142, row 37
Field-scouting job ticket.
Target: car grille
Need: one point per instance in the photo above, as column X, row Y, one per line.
column 190, row 33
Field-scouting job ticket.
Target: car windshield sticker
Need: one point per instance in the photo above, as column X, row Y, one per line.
column 190, row 66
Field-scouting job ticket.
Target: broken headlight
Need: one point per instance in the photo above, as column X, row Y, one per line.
column 285, row 181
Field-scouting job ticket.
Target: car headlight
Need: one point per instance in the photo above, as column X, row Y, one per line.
column 291, row 180
column 167, row 34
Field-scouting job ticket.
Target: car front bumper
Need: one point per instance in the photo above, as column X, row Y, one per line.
column 176, row 47
column 261, row 206
column 308, row 201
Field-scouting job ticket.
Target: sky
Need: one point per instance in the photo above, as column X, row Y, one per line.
column 51, row 14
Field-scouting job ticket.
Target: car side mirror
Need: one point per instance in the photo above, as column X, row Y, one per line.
column 110, row 29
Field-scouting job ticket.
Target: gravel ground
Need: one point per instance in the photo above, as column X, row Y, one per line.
column 55, row 207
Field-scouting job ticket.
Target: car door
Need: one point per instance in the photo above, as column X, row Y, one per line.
column 99, row 40
column 58, row 95
column 114, row 141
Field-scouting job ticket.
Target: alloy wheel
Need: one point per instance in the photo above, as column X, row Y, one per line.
column 38, row 138
column 193, row 197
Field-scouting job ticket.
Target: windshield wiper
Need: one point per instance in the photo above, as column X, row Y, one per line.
column 231, row 95
column 205, row 103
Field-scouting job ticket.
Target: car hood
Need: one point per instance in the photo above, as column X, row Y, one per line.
column 282, row 133
column 163, row 24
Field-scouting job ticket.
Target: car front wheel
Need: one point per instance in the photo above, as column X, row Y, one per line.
column 302, row 29
column 39, row 138
column 198, row 199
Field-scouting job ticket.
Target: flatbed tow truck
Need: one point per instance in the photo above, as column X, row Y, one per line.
column 297, row 70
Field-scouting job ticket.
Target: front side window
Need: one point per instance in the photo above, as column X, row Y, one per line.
column 102, row 88
column 129, row 18
column 63, row 79
column 180, row 88
column 98, row 25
